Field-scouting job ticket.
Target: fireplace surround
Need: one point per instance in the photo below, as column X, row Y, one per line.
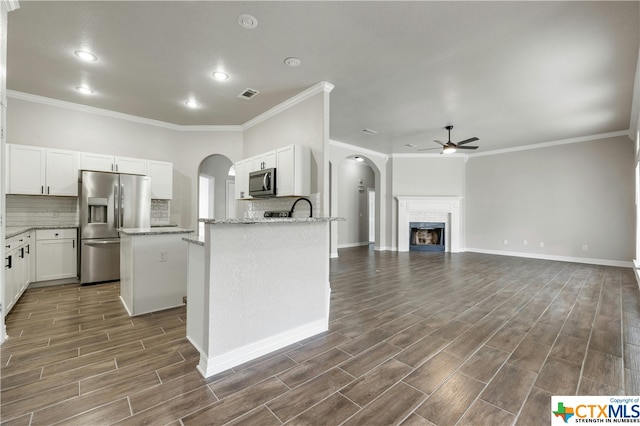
column 430, row 209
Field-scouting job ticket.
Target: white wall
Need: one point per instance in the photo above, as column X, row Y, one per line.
column 59, row 125
column 564, row 196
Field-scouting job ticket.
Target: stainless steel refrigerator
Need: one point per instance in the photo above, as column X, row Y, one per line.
column 109, row 201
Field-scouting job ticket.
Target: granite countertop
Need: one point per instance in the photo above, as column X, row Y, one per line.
column 251, row 220
column 12, row 231
column 195, row 239
column 154, row 231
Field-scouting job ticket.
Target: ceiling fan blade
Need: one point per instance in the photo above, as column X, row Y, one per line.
column 467, row 147
column 467, row 141
column 441, row 143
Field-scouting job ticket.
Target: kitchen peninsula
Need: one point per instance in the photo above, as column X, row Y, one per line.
column 254, row 286
column 153, row 267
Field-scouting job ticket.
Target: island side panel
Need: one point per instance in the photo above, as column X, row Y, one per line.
column 196, row 296
column 126, row 273
column 269, row 287
column 159, row 272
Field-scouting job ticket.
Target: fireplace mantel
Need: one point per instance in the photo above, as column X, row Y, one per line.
column 414, row 209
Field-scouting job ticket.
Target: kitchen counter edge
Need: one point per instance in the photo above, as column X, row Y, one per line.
column 252, row 220
column 154, row 231
column 12, row 231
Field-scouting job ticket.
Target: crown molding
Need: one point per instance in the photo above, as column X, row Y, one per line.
column 11, row 5
column 323, row 86
column 120, row 115
column 553, row 143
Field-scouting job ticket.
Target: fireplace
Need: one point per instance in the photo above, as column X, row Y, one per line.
column 427, row 236
column 430, row 209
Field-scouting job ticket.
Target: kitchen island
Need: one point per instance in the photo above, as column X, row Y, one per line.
column 153, row 268
column 255, row 286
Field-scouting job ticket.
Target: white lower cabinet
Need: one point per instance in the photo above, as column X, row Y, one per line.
column 57, row 254
column 17, row 269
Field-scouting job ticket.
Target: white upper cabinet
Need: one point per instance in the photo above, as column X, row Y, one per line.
column 41, row 171
column 161, row 174
column 293, row 171
column 243, row 168
column 62, row 172
column 97, row 162
column 32, row 170
column 136, row 166
column 111, row 163
column 26, row 169
column 264, row 161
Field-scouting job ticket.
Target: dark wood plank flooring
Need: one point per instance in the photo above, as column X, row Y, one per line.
column 414, row 339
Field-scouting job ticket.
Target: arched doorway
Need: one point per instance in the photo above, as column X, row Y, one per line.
column 216, row 185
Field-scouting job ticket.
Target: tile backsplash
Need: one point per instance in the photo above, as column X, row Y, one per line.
column 160, row 212
column 29, row 210
column 257, row 207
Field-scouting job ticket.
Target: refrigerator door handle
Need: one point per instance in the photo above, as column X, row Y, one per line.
column 121, row 204
column 116, row 203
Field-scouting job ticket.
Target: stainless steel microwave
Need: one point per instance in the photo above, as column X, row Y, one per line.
column 262, row 183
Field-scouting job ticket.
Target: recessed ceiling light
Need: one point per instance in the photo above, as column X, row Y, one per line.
column 86, row 55
column 220, row 75
column 247, row 21
column 293, row 62
column 85, row 90
column 192, row 103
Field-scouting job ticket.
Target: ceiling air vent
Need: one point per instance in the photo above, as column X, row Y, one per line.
column 369, row 132
column 248, row 94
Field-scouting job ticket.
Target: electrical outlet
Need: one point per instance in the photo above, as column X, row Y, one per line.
column 585, row 247
column 541, row 244
column 525, row 242
column 506, row 242
column 163, row 256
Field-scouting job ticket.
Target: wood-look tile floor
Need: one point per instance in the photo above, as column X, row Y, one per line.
column 414, row 339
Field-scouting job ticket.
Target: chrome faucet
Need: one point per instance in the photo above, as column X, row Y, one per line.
column 296, row 202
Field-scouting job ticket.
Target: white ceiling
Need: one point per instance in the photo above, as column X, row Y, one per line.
column 510, row 73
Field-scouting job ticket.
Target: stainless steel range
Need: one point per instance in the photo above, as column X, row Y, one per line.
column 109, row 201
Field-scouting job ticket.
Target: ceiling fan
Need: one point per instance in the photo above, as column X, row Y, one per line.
column 450, row 147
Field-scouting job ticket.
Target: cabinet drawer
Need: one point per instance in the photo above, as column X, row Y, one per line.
column 55, row 234
column 16, row 241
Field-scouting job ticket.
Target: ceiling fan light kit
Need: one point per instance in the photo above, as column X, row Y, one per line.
column 450, row 147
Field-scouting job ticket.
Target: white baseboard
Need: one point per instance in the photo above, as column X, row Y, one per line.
column 588, row 260
column 353, row 245
column 220, row 363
